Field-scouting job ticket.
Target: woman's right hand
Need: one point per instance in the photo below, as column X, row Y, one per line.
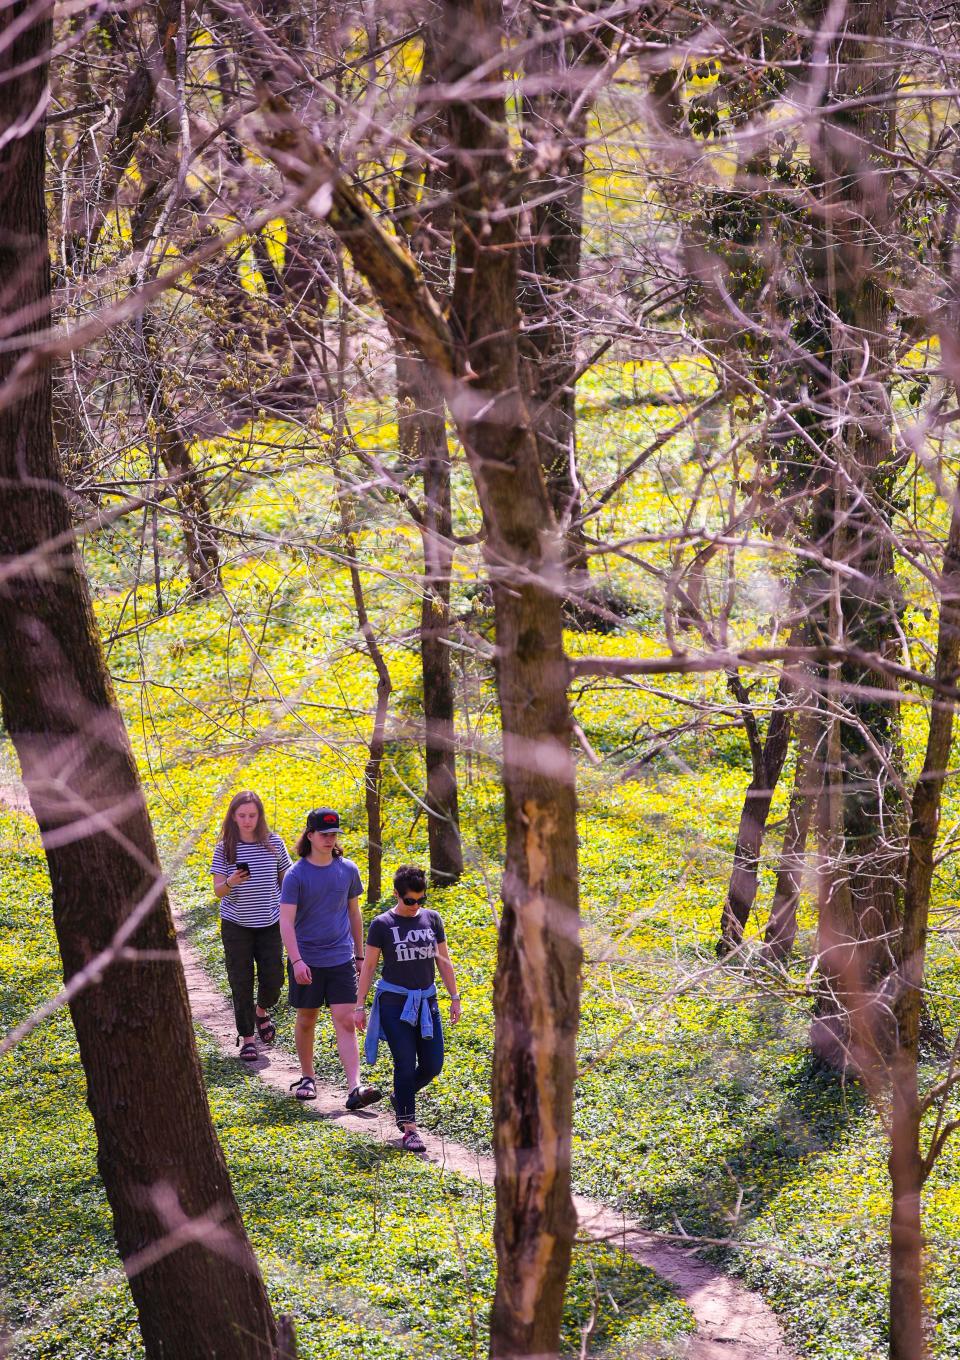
column 301, row 972
column 237, row 877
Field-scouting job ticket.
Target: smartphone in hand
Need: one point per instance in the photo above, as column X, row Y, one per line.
column 244, row 868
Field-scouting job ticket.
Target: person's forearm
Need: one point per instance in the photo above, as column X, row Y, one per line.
column 356, row 925
column 288, row 935
column 366, row 977
column 448, row 975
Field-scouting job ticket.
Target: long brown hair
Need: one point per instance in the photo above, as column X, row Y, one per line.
column 303, row 846
column 230, row 833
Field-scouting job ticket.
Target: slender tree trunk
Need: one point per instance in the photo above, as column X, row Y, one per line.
column 768, row 761
column 906, row 1314
column 423, row 441
column 186, row 482
column 906, row 1168
column 158, row 1156
column 781, row 931
column 199, row 533
column 425, row 188
column 373, row 773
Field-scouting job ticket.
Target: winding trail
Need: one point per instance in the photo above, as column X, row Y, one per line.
column 733, row 1323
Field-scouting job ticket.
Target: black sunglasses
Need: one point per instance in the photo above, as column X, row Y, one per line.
column 413, row 901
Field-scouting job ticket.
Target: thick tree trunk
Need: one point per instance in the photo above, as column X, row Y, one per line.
column 768, row 761
column 781, row 931
column 537, row 984
column 161, row 1165
column 423, row 441
column 536, row 988
column 867, row 823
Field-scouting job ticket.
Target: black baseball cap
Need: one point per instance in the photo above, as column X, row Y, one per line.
column 323, row 819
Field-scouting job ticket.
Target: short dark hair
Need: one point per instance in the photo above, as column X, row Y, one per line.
column 409, row 878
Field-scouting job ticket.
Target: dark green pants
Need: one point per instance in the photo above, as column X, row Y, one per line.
column 246, row 948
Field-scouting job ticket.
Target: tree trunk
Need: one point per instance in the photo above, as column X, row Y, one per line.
column 158, row 1156
column 555, row 130
column 537, row 984
column 200, row 538
column 906, row 1228
column 186, row 482
column 536, row 987
column 423, row 441
column 906, row 1169
column 867, row 824
column 768, row 763
column 373, row 773
column 781, row 929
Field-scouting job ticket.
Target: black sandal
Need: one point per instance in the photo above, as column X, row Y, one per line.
column 362, row 1096
column 248, row 1053
column 306, row 1088
column 266, row 1029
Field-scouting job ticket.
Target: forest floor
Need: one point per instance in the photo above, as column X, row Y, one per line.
column 732, row 1322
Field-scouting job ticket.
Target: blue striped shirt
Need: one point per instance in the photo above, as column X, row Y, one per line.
column 255, row 903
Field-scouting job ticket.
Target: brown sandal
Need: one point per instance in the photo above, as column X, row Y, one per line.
column 266, row 1029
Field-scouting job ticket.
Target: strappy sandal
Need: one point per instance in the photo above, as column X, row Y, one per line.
column 362, row 1096
column 304, row 1089
column 248, row 1053
column 266, row 1029
column 412, row 1142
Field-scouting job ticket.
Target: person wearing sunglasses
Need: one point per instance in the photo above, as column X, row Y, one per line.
column 411, row 939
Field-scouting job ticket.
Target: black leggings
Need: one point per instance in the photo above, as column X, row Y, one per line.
column 244, row 947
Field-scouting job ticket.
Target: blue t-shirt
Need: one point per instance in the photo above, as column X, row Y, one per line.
column 320, row 892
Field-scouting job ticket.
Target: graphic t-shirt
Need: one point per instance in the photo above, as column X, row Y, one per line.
column 320, row 893
column 408, row 945
column 255, row 903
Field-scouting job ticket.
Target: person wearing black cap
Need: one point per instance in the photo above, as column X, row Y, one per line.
column 322, row 931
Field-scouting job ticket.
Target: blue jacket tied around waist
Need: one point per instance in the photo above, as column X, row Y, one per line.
column 416, row 1011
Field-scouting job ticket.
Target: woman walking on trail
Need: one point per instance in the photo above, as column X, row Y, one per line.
column 412, row 941
column 323, row 933
column 248, row 864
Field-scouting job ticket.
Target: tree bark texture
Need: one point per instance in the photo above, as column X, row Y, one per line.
column 161, row 1164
